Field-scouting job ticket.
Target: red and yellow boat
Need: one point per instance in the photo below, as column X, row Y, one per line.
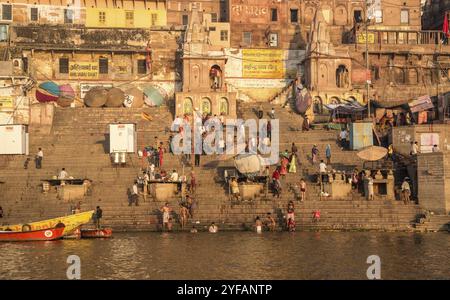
column 96, row 233
column 72, row 222
column 49, row 234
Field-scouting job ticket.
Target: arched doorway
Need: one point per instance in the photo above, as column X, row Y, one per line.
column 223, row 106
column 317, row 105
column 335, row 100
column 187, row 106
column 215, row 77
column 342, row 78
column 206, row 105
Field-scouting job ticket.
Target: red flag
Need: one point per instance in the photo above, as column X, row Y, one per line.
column 445, row 26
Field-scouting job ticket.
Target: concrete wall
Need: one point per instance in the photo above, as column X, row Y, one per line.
column 433, row 172
column 403, row 136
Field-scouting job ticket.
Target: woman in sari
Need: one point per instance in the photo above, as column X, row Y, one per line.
column 293, row 164
column 283, row 167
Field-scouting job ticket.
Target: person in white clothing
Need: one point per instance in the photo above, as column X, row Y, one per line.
column 322, row 170
column 134, row 195
column 414, row 148
column 174, row 176
column 63, row 174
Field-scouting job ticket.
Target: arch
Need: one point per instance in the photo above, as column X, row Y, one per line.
column 334, row 100
column 215, row 77
column 413, row 76
column 224, row 108
column 206, row 105
column 309, row 15
column 340, row 15
column 317, row 105
column 195, row 77
column 342, row 77
column 187, row 106
column 323, row 75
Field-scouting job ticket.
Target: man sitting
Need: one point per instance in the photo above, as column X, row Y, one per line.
column 63, row 174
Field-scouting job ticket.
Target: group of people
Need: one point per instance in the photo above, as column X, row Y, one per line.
column 186, row 212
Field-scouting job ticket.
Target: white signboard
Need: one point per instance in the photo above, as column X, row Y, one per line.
column 85, row 87
column 122, row 138
column 14, row 139
column 427, row 141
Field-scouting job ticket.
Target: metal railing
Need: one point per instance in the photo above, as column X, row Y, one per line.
column 400, row 37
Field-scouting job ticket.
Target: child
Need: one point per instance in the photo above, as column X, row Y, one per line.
column 303, row 189
column 291, row 225
column 316, row 216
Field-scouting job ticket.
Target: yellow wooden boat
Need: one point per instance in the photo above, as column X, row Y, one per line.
column 71, row 222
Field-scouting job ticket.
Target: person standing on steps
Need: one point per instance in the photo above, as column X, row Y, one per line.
column 134, row 195
column 166, row 215
column 272, row 113
column 39, row 158
column 213, row 228
column 193, row 183
column 161, row 155
column 306, row 124
column 183, row 216
column 197, row 159
column 328, row 154
column 406, row 191
column 314, row 154
column 97, row 216
column 260, row 112
column 370, row 188
column 290, row 212
column 303, row 189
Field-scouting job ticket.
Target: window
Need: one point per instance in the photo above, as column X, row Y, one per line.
column 103, row 66
column 68, row 16
column 274, row 15
column 185, row 19
column 64, row 65
column 214, row 17
column 212, row 28
column 357, row 16
column 34, row 16
column 3, row 33
column 273, row 39
column 129, row 18
column 224, row 35
column 7, row 12
column 154, row 19
column 404, row 16
column 294, row 15
column 101, row 17
column 247, row 37
column 142, row 66
column 378, row 16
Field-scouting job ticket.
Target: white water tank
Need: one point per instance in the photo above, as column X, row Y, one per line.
column 14, row 139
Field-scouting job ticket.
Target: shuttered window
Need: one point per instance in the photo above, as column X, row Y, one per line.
column 34, row 16
column 7, row 12
column 63, row 65
column 103, row 66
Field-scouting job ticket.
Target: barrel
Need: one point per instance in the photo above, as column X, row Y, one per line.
column 96, row 97
column 115, row 98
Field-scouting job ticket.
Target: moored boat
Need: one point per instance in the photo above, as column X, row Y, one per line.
column 49, row 234
column 71, row 222
column 96, row 233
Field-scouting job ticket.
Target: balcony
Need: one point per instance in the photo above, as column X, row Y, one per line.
column 399, row 37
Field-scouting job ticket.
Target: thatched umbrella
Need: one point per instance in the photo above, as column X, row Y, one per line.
column 96, row 97
column 372, row 153
column 115, row 98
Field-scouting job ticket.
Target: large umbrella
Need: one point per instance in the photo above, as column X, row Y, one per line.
column 96, row 97
column 47, row 91
column 153, row 96
column 115, row 98
column 134, row 97
column 66, row 95
column 372, row 153
column 248, row 163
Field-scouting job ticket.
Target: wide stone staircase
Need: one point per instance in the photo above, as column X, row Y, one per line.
column 78, row 141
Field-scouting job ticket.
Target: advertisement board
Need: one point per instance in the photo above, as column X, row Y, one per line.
column 263, row 63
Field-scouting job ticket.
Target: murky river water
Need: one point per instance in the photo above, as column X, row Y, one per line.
column 237, row 255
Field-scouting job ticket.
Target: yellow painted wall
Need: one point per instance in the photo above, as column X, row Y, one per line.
column 115, row 17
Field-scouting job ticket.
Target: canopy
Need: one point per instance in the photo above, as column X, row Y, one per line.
column 372, row 153
column 421, row 104
column 115, row 98
column 96, row 97
column 153, row 96
column 248, row 163
column 348, row 108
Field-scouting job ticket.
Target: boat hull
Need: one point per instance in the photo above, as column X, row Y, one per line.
column 50, row 234
column 71, row 223
column 96, row 233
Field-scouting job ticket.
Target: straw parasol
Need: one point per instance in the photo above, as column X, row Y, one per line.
column 372, row 153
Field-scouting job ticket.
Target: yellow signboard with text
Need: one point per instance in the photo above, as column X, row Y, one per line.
column 83, row 70
column 362, row 38
column 6, row 102
column 263, row 63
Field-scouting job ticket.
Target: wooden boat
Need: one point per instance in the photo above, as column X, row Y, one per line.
column 71, row 222
column 75, row 235
column 49, row 234
column 96, row 233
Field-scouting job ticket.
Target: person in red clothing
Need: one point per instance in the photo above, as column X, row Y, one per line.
column 161, row 154
column 276, row 183
column 316, row 216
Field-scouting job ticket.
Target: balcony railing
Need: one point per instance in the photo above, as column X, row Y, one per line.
column 398, row 37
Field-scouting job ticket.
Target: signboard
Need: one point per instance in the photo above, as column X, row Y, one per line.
column 83, row 70
column 361, row 38
column 14, row 139
column 262, row 63
column 6, row 102
column 85, row 87
column 427, row 141
column 421, row 104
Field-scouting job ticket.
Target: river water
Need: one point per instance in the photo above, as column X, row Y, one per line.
column 233, row 255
